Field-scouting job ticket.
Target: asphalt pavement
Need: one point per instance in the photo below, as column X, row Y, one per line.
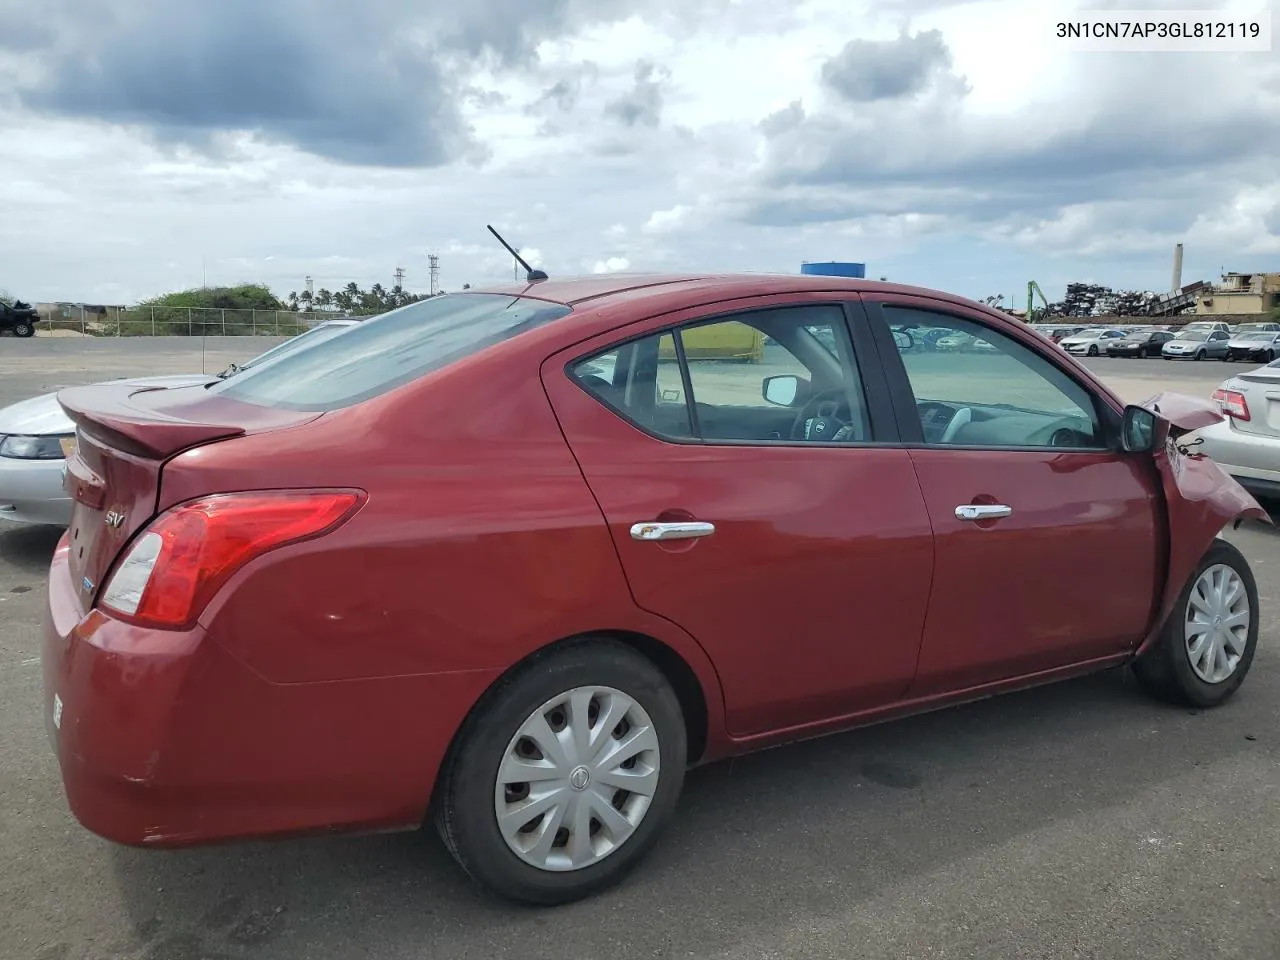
column 1079, row 820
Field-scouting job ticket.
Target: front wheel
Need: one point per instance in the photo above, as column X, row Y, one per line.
column 1205, row 649
column 23, row 329
column 564, row 775
column 1093, row 351
column 1199, row 355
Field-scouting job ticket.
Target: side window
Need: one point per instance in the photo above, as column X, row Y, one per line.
column 780, row 375
column 785, row 374
column 979, row 387
column 641, row 380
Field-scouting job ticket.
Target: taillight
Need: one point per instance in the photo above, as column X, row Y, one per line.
column 174, row 568
column 1233, row 403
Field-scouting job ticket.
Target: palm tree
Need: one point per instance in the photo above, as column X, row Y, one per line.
column 324, row 299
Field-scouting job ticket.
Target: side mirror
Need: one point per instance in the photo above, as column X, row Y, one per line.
column 782, row 390
column 1138, row 430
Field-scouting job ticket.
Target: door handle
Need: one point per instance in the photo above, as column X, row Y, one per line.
column 671, row 531
column 982, row 511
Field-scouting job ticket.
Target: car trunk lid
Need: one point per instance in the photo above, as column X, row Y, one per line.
column 124, row 436
column 1261, row 390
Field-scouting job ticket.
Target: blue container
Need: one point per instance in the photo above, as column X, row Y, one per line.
column 834, row 268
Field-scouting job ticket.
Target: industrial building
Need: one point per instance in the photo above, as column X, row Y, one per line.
column 1239, row 294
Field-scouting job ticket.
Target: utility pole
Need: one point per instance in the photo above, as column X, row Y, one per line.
column 399, row 278
column 433, row 261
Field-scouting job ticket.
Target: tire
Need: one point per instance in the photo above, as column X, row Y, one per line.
column 1093, row 351
column 467, row 799
column 1270, row 355
column 1199, row 355
column 23, row 329
column 1166, row 669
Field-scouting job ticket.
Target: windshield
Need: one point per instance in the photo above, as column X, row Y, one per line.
column 1257, row 336
column 1193, row 335
column 389, row 350
column 317, row 334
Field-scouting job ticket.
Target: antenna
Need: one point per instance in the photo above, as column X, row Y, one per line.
column 399, row 278
column 531, row 274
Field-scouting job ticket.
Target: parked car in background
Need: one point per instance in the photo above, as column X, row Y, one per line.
column 316, row 595
column 1255, row 327
column 19, row 318
column 1247, row 443
column 1206, row 326
column 1057, row 334
column 36, row 436
column 1260, row 346
column 1139, row 343
column 1090, row 342
column 1196, row 345
column 953, row 341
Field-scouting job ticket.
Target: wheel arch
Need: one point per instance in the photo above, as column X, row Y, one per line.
column 696, row 702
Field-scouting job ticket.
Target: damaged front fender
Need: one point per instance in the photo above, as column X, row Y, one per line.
column 1201, row 500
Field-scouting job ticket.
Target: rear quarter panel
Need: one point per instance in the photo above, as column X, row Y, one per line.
column 480, row 542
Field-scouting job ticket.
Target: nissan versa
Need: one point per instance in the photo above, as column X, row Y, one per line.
column 510, row 561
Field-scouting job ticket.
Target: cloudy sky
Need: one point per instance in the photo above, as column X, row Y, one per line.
column 147, row 143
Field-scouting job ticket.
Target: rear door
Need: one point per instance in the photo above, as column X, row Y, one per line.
column 1048, row 543
column 754, row 501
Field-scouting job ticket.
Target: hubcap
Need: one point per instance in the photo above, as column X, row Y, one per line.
column 1217, row 623
column 577, row 779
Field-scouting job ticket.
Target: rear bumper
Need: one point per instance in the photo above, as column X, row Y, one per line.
column 1253, row 460
column 31, row 492
column 164, row 739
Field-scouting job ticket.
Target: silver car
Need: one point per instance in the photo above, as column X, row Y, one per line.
column 36, row 436
column 1090, row 342
column 1247, row 444
column 1197, row 345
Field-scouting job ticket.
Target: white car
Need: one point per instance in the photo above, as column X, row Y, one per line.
column 1207, row 326
column 36, row 436
column 954, row 341
column 1091, row 342
column 1247, row 444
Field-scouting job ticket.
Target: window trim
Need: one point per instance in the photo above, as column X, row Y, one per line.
column 875, row 387
column 908, row 420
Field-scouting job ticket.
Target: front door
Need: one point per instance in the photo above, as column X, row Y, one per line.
column 735, row 461
column 1047, row 540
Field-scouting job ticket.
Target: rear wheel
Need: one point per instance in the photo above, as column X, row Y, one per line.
column 1206, row 648
column 563, row 777
column 23, row 329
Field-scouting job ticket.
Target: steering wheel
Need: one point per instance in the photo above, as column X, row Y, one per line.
column 961, row 418
column 821, row 409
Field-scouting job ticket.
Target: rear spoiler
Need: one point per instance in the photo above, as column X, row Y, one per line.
column 107, row 413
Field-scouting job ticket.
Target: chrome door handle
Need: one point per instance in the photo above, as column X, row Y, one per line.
column 671, row 531
column 982, row 511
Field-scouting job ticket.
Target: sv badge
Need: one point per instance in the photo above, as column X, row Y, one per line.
column 114, row 518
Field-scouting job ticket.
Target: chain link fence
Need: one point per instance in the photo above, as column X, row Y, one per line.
column 180, row 322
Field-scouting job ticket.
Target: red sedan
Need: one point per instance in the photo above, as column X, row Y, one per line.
column 510, row 561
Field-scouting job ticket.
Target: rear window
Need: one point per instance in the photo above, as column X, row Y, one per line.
column 387, row 351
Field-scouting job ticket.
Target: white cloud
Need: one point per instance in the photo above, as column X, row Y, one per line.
column 612, row 265
column 676, row 134
column 665, row 221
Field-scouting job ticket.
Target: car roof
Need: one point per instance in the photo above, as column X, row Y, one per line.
column 695, row 289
